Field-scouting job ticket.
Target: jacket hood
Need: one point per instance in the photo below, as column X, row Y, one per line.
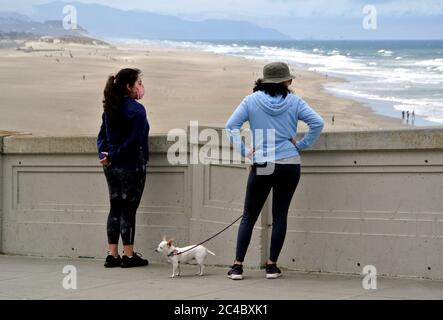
column 273, row 105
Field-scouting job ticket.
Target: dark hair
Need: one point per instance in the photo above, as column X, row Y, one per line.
column 116, row 89
column 273, row 89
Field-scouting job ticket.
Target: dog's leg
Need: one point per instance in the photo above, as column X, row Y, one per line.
column 200, row 269
column 179, row 270
column 174, row 268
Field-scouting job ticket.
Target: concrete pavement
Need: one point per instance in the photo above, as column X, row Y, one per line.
column 42, row 278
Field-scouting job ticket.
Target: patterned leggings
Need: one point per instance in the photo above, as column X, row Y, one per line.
column 125, row 192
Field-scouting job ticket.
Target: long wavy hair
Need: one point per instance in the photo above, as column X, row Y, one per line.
column 273, row 89
column 116, row 89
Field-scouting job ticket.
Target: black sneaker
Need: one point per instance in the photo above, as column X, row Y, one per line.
column 272, row 272
column 236, row 272
column 135, row 261
column 112, row 262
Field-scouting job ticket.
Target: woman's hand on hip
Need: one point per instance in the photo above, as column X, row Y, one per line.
column 250, row 154
column 294, row 142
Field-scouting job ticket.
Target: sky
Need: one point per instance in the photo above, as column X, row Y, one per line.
column 322, row 19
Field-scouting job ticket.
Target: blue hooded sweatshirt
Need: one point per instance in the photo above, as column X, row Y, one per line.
column 273, row 121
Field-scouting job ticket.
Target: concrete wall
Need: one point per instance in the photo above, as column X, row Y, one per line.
column 364, row 198
column 370, row 198
column 1, row 191
column 56, row 200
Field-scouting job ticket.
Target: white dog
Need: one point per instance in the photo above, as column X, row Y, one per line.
column 173, row 253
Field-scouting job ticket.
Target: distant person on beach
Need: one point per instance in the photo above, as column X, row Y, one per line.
column 403, row 115
column 272, row 108
column 413, row 117
column 333, row 120
column 123, row 151
column 407, row 117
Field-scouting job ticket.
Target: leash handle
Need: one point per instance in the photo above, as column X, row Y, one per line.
column 210, row 237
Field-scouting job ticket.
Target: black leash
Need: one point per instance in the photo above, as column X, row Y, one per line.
column 178, row 253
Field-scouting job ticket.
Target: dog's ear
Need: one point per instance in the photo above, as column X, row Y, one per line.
column 170, row 242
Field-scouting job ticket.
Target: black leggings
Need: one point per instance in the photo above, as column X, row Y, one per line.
column 125, row 192
column 283, row 181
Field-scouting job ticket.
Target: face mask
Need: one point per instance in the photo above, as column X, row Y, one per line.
column 140, row 92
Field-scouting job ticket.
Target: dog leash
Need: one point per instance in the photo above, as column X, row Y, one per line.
column 175, row 253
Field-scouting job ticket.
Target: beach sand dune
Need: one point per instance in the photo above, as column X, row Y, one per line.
column 56, row 89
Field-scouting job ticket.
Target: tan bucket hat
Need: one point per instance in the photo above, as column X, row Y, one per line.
column 276, row 72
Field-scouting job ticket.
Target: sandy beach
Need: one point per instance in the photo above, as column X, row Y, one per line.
column 56, row 89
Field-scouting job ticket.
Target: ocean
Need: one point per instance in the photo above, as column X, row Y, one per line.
column 388, row 76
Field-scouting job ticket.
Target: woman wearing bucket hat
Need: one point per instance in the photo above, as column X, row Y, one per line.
column 272, row 112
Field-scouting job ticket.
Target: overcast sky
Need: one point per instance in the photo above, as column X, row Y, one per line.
column 297, row 18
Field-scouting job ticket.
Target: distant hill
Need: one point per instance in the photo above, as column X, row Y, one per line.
column 13, row 23
column 105, row 21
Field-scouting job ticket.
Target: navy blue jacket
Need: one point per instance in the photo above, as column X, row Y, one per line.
column 125, row 138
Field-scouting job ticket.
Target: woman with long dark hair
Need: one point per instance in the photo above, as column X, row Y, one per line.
column 272, row 112
column 123, row 151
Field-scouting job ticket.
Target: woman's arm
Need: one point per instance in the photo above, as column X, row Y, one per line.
column 102, row 138
column 315, row 123
column 234, row 125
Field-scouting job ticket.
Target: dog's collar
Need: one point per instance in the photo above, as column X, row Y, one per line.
column 173, row 253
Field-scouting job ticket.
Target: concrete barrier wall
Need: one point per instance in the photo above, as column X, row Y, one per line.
column 365, row 198
column 56, row 199
column 1, row 192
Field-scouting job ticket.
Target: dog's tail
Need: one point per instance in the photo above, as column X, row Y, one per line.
column 210, row 252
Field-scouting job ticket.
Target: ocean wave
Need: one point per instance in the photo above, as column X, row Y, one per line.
column 430, row 63
column 433, row 103
column 385, row 53
column 333, row 52
column 435, row 65
column 348, row 66
column 332, row 62
column 426, row 108
column 435, row 116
